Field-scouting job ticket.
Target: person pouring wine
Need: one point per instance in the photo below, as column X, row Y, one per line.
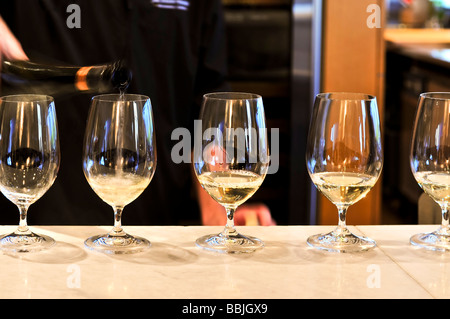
column 176, row 54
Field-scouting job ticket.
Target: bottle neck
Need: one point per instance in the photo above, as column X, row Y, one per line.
column 87, row 78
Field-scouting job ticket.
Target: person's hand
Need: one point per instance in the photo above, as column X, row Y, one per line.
column 10, row 47
column 253, row 214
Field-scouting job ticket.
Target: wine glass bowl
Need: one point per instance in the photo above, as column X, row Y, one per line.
column 430, row 162
column 29, row 161
column 231, row 161
column 344, row 160
column 119, row 160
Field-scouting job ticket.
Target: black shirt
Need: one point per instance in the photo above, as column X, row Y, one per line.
column 176, row 53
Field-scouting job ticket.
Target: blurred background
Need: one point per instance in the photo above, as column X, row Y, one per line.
column 290, row 50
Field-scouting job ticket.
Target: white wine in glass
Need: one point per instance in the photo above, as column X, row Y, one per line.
column 430, row 162
column 232, row 161
column 231, row 187
column 344, row 159
column 119, row 161
column 29, row 161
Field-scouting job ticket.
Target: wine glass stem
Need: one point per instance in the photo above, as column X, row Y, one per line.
column 342, row 226
column 230, row 230
column 445, row 228
column 23, row 226
column 117, row 229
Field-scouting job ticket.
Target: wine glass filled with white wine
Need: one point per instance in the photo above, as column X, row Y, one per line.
column 119, row 161
column 430, row 162
column 344, row 159
column 232, row 161
column 29, row 161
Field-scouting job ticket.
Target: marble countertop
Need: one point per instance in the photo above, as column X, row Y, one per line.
column 174, row 268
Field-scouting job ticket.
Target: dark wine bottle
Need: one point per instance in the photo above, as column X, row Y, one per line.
column 97, row 78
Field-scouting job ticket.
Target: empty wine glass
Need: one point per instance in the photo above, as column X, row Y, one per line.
column 119, row 161
column 232, row 161
column 29, row 161
column 344, row 159
column 429, row 160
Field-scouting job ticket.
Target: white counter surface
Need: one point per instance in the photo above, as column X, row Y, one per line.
column 174, row 268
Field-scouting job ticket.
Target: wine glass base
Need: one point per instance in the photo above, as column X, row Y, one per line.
column 124, row 244
column 432, row 241
column 22, row 243
column 230, row 244
column 341, row 242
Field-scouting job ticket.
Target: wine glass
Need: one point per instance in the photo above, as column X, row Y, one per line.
column 344, row 160
column 430, row 162
column 231, row 161
column 29, row 161
column 119, row 160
